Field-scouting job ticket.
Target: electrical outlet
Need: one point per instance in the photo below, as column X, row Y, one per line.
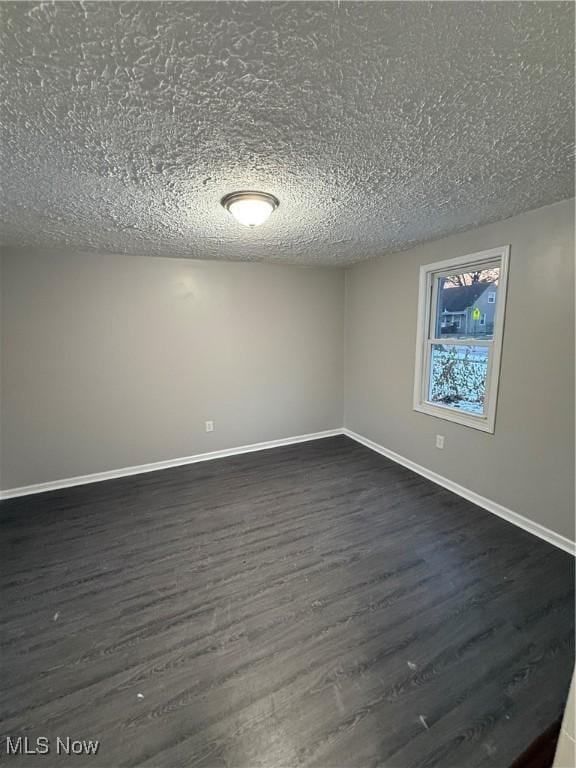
column 440, row 441
column 209, row 426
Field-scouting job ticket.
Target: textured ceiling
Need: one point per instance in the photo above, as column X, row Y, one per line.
column 377, row 125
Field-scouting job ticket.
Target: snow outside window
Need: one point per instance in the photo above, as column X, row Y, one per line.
column 460, row 328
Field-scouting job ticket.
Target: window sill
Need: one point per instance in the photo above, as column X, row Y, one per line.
column 448, row 414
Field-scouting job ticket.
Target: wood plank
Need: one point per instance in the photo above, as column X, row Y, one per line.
column 313, row 605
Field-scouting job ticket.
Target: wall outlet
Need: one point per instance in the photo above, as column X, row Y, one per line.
column 209, row 426
column 439, row 441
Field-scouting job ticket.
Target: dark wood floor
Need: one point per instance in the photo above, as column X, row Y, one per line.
column 315, row 605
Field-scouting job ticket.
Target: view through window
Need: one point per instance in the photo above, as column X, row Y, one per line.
column 461, row 337
column 464, row 310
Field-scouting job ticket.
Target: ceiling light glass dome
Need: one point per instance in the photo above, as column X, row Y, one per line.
column 250, row 208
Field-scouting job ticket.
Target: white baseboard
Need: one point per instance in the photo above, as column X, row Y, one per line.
column 98, row 477
column 492, row 506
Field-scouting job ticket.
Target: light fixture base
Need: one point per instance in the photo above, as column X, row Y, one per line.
column 249, row 207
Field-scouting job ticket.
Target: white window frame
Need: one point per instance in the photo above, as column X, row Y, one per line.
column 427, row 309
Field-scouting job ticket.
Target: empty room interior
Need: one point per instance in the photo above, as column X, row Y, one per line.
column 287, row 384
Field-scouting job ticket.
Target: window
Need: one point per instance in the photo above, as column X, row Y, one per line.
column 460, row 326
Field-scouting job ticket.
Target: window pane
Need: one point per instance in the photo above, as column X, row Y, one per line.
column 467, row 304
column 458, row 377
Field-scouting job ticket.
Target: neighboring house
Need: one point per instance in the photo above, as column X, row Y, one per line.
column 468, row 310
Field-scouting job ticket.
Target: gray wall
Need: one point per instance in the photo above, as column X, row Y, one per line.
column 112, row 361
column 528, row 464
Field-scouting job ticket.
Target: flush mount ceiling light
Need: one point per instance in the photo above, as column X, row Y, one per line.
column 250, row 208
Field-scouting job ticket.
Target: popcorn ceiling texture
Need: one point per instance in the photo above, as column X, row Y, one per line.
column 377, row 125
